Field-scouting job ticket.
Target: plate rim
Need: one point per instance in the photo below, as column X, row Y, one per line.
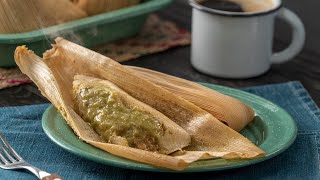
column 145, row 167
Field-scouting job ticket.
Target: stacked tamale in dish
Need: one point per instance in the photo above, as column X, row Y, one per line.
column 137, row 113
column 20, row 16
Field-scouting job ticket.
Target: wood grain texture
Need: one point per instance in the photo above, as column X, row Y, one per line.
column 304, row 68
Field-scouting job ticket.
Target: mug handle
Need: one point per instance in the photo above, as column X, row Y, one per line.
column 298, row 37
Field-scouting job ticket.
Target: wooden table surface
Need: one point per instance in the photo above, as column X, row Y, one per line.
column 304, row 68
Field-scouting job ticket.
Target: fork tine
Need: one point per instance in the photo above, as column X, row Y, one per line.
column 6, row 154
column 3, row 160
column 13, row 152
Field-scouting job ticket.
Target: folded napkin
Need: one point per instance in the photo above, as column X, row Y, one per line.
column 22, row 128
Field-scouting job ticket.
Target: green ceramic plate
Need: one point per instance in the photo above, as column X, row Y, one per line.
column 273, row 130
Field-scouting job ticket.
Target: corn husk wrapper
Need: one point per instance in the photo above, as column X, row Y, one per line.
column 26, row 15
column 93, row 7
column 229, row 110
column 54, row 74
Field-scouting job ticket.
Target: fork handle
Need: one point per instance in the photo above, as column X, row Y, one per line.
column 39, row 173
column 52, row 177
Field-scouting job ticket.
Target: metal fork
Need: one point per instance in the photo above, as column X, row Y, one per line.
column 10, row 159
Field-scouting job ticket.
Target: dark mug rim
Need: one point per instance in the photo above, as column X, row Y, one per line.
column 198, row 6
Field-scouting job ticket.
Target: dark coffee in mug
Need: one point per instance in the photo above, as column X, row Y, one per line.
column 222, row 5
column 238, row 5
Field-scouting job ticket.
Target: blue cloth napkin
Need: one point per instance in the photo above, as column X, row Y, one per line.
column 22, row 128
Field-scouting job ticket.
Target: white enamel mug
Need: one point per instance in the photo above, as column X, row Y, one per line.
column 239, row 44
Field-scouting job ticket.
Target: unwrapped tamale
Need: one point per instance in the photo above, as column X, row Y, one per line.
column 54, row 75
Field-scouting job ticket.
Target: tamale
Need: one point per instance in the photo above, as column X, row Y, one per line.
column 57, row 89
column 229, row 110
column 93, row 7
column 121, row 119
column 26, row 15
column 54, row 76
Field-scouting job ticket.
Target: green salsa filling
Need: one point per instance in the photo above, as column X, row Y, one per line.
column 112, row 118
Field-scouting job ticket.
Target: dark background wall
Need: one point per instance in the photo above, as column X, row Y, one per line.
column 309, row 12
